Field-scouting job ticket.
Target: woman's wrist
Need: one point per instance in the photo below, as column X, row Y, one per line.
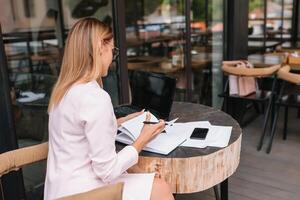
column 139, row 144
column 120, row 121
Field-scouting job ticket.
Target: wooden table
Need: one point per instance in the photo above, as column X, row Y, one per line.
column 189, row 170
column 266, row 60
column 155, row 64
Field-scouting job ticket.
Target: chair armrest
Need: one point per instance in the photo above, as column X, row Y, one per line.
column 109, row 192
column 285, row 74
column 254, row 72
column 14, row 160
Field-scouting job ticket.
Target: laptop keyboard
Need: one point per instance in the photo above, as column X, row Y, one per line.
column 122, row 111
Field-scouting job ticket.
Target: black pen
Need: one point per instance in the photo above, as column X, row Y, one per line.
column 147, row 122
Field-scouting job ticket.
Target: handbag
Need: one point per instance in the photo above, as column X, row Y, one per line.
column 241, row 85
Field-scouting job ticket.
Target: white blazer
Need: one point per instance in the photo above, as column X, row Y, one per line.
column 82, row 155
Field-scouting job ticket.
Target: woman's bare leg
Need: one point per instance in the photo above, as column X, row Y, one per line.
column 161, row 190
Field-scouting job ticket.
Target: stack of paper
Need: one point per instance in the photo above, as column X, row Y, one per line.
column 175, row 134
column 217, row 136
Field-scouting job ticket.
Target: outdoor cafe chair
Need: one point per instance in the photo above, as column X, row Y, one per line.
column 287, row 98
column 264, row 94
column 16, row 159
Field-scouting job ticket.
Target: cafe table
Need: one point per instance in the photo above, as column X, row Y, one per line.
column 188, row 169
column 266, row 60
column 269, row 59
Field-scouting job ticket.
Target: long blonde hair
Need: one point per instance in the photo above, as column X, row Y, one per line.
column 82, row 56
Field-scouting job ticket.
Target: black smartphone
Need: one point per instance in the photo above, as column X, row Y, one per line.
column 199, row 133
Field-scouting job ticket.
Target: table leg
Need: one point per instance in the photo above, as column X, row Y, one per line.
column 217, row 193
column 224, row 190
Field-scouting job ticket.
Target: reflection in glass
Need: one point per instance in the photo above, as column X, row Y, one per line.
column 34, row 48
column 256, row 18
column 287, row 16
column 270, row 23
column 155, row 38
column 33, row 57
column 73, row 10
column 206, row 39
column 155, row 34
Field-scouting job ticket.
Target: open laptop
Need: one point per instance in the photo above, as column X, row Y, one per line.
column 150, row 91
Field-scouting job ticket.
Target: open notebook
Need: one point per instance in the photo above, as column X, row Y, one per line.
column 163, row 143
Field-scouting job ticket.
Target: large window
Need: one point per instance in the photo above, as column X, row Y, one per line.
column 269, row 23
column 156, row 42
column 102, row 10
column 34, row 34
column 156, row 38
column 207, row 49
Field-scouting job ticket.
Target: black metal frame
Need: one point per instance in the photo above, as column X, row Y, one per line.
column 120, row 37
column 295, row 21
column 187, row 56
column 270, row 110
column 286, row 89
column 235, row 37
column 13, row 185
column 60, row 25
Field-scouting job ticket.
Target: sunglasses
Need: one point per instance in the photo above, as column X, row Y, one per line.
column 115, row 52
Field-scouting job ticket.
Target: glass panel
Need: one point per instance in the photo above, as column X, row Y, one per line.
column 287, row 14
column 155, row 39
column 266, row 29
column 102, row 10
column 274, row 9
column 256, row 10
column 33, row 55
column 256, row 20
column 33, row 46
column 287, row 29
column 274, row 18
column 206, row 39
column 217, row 50
column 274, row 28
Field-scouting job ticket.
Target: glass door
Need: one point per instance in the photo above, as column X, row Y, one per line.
column 33, row 33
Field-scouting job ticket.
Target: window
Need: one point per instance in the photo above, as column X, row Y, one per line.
column 269, row 23
column 29, row 8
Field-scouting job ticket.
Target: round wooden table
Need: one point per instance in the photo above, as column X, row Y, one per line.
column 189, row 170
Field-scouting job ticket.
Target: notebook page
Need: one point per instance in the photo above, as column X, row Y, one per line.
column 135, row 125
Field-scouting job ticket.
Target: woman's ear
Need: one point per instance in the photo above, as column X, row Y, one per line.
column 100, row 47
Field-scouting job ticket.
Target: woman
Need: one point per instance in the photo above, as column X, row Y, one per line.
column 82, row 124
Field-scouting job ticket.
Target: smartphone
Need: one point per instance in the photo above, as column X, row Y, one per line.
column 199, row 133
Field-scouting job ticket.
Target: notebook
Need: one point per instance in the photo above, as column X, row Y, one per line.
column 163, row 143
column 152, row 91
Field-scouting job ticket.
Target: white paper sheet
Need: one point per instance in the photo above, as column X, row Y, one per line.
column 217, row 136
column 30, row 96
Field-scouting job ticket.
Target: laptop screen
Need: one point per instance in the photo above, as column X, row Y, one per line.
column 152, row 91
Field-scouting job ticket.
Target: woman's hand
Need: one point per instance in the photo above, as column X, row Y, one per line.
column 128, row 117
column 148, row 132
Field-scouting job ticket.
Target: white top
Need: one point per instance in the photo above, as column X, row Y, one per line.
column 82, row 131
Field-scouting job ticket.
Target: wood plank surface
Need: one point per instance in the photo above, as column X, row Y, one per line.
column 261, row 176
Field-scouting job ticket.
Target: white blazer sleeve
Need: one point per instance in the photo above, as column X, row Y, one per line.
column 100, row 127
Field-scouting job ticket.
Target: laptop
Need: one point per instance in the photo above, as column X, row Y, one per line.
column 151, row 91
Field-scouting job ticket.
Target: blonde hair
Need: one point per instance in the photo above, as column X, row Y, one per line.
column 82, row 56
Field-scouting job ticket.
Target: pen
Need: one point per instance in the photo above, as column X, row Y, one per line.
column 147, row 122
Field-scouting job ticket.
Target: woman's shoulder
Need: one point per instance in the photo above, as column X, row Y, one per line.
column 88, row 92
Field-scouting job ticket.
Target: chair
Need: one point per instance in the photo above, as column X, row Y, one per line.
column 289, row 91
column 16, row 159
column 265, row 93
